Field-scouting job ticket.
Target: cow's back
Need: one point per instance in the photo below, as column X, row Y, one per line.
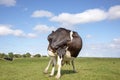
column 75, row 45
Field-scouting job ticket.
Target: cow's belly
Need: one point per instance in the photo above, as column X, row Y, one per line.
column 68, row 57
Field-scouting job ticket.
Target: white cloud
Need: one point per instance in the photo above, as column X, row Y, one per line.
column 41, row 13
column 18, row 33
column 87, row 16
column 43, row 28
column 115, row 44
column 116, row 40
column 88, row 36
column 110, row 49
column 91, row 15
column 8, row 2
column 31, row 35
column 114, row 12
column 7, row 30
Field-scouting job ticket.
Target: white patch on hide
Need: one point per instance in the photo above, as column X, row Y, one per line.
column 71, row 37
column 68, row 56
column 50, row 53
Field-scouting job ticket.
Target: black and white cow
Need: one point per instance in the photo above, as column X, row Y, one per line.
column 8, row 58
column 64, row 46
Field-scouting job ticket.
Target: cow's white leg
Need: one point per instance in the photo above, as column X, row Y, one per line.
column 73, row 65
column 46, row 69
column 59, row 67
column 52, row 55
column 53, row 68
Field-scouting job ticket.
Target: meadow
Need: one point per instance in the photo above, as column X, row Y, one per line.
column 87, row 69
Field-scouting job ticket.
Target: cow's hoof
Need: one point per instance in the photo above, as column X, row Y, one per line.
column 51, row 75
column 57, row 76
column 45, row 72
column 74, row 71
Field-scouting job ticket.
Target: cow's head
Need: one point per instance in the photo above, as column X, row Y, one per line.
column 58, row 40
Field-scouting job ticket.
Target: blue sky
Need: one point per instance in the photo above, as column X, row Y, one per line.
column 25, row 25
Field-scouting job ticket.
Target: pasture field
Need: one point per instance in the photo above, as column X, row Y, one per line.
column 88, row 69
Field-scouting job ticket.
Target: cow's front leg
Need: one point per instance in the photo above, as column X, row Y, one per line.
column 53, row 66
column 59, row 60
column 46, row 69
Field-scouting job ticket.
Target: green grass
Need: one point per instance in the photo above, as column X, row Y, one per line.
column 88, row 69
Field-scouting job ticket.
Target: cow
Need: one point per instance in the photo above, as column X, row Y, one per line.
column 64, row 46
column 8, row 58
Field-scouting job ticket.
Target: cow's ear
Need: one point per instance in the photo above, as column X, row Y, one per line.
column 53, row 31
column 75, row 34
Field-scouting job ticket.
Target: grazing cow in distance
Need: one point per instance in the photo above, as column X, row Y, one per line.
column 64, row 46
column 9, row 59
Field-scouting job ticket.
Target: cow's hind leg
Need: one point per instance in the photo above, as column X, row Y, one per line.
column 74, row 70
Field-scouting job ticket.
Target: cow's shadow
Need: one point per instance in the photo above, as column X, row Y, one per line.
column 64, row 72
column 67, row 72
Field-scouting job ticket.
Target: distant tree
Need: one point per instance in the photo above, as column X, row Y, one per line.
column 2, row 55
column 24, row 55
column 5, row 55
column 17, row 55
column 28, row 54
column 10, row 54
column 37, row 55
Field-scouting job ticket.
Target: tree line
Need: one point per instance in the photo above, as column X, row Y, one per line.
column 26, row 55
